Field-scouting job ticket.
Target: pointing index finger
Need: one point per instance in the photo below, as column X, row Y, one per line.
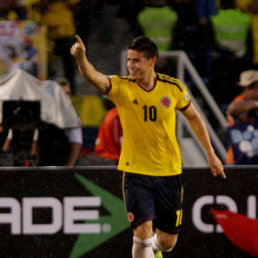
column 223, row 175
column 78, row 39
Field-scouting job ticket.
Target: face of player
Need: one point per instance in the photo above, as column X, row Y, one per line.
column 138, row 65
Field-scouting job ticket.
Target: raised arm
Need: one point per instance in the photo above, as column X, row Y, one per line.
column 200, row 130
column 87, row 70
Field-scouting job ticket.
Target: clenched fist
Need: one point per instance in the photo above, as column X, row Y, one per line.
column 78, row 49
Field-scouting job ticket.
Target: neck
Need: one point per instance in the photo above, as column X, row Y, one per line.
column 148, row 82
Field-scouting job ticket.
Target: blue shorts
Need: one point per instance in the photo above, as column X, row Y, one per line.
column 154, row 198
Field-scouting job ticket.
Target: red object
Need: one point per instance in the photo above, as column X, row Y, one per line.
column 166, row 102
column 27, row 163
column 130, row 217
column 84, row 151
column 108, row 142
column 239, row 229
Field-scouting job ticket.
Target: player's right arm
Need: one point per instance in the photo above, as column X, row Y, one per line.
column 87, row 70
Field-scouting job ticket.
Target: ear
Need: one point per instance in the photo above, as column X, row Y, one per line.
column 154, row 60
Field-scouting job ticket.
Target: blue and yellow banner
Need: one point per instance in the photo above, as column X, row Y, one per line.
column 23, row 45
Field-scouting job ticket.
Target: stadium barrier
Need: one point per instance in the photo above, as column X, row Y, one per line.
column 79, row 212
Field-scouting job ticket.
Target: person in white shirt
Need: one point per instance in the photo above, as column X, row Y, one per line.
column 74, row 135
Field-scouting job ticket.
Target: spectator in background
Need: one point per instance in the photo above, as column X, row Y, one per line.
column 157, row 21
column 6, row 158
column 129, row 10
column 205, row 11
column 5, row 8
column 253, row 12
column 29, row 56
column 58, row 16
column 232, row 40
column 108, row 140
column 74, row 135
column 12, row 10
column 192, row 32
column 110, row 135
column 242, row 116
column 33, row 10
column 243, row 4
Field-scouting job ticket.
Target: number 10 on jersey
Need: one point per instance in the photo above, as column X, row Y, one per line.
column 150, row 113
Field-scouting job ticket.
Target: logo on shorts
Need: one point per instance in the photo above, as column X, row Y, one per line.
column 130, row 216
column 165, row 102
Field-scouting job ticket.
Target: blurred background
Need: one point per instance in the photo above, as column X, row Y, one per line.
column 50, row 116
column 206, row 44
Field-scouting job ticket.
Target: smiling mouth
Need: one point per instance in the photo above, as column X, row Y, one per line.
column 132, row 72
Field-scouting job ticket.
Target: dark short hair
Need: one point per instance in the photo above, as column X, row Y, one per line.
column 62, row 81
column 144, row 44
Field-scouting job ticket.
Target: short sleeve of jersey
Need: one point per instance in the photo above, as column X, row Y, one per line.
column 116, row 86
column 182, row 96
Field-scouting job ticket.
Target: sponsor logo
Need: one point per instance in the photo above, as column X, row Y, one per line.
column 111, row 225
column 210, row 200
column 21, row 218
column 71, row 215
column 135, row 102
column 165, row 102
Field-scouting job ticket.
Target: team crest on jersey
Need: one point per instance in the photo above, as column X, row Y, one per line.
column 166, row 102
column 130, row 216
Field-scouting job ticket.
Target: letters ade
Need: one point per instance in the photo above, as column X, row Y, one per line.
column 60, row 183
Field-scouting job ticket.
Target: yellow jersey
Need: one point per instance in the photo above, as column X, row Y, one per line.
column 148, row 120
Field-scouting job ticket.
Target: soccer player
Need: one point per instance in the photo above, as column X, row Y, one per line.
column 150, row 157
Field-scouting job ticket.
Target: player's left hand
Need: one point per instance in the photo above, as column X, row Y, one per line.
column 216, row 166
